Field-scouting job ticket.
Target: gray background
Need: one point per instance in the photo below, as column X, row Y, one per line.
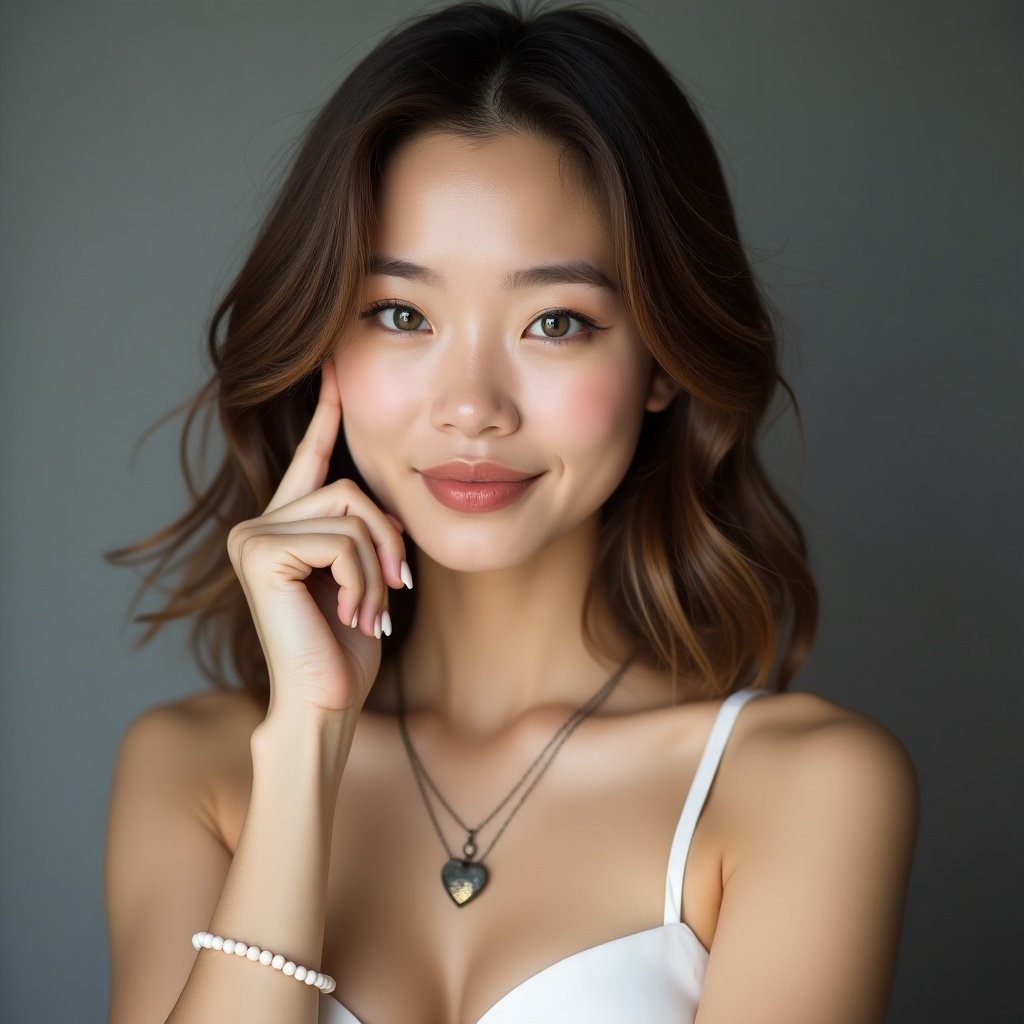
column 875, row 161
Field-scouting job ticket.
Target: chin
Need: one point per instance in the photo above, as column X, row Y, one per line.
column 465, row 549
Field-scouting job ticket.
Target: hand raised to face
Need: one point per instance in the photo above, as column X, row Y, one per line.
column 320, row 631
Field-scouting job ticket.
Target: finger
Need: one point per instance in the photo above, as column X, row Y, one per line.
column 345, row 498
column 308, row 468
column 338, row 588
column 283, row 561
column 356, row 570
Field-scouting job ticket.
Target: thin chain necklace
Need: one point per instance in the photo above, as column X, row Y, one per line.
column 463, row 877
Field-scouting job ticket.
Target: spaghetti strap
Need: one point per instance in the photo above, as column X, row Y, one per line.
column 721, row 728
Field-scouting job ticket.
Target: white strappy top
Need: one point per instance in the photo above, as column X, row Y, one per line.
column 655, row 976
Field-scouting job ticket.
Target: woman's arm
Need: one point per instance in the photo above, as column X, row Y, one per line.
column 168, row 876
column 812, row 911
column 312, row 571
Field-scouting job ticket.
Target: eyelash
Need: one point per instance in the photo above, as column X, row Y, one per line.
column 589, row 327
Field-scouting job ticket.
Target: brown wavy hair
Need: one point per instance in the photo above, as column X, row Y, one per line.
column 704, row 565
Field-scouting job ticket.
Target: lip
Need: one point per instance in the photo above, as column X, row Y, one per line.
column 481, row 471
column 478, row 496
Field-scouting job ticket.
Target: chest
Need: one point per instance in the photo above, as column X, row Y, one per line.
column 579, row 864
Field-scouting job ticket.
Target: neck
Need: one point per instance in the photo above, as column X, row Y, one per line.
column 488, row 649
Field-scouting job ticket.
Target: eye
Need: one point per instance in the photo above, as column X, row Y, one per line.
column 554, row 320
column 555, row 323
column 406, row 319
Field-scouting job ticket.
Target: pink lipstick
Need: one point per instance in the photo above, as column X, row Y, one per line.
column 477, row 486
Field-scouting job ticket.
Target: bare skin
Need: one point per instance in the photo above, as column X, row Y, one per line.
column 500, row 593
column 557, row 883
column 495, row 662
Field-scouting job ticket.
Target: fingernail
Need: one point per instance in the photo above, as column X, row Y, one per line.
column 376, row 627
column 355, row 619
column 406, row 573
column 385, row 623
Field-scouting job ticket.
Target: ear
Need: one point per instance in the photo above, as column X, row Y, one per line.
column 661, row 389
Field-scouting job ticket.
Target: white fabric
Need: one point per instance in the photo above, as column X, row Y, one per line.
column 655, row 976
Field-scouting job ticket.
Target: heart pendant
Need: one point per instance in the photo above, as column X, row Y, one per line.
column 463, row 879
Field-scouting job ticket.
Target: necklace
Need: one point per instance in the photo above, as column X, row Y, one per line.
column 463, row 877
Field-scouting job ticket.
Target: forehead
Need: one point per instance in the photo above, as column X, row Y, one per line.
column 505, row 201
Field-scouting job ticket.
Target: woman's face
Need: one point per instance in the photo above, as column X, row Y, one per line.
column 469, row 362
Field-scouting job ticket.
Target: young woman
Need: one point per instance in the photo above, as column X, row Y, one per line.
column 498, row 571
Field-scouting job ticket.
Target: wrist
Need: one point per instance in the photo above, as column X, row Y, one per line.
column 303, row 741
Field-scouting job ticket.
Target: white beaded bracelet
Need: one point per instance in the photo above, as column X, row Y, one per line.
column 206, row 940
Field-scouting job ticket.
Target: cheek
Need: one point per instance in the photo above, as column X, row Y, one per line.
column 374, row 408
column 372, row 399
column 595, row 407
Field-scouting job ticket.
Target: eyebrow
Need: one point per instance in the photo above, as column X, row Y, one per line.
column 570, row 272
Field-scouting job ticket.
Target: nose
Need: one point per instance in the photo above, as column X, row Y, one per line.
column 472, row 390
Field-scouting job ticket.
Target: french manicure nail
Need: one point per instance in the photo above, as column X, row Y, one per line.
column 355, row 619
column 406, row 573
column 376, row 627
column 385, row 622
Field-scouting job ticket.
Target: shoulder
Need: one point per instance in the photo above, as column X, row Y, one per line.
column 195, row 723
column 197, row 744
column 809, row 731
column 803, row 761
column 819, row 840
column 166, row 854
